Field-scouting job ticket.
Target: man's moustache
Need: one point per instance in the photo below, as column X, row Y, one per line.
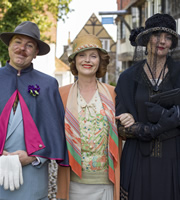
column 19, row 52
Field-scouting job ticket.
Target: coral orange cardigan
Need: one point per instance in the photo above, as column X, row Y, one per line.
column 63, row 178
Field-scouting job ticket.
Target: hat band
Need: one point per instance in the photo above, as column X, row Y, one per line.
column 157, row 29
column 85, row 46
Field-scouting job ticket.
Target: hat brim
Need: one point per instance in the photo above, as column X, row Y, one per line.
column 71, row 57
column 141, row 36
column 42, row 46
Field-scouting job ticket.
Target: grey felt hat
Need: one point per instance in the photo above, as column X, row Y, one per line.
column 29, row 29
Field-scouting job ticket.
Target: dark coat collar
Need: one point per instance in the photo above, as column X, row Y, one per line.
column 12, row 69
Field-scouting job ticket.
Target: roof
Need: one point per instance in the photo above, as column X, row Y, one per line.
column 61, row 66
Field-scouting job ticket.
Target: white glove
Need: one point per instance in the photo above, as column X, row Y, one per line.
column 2, row 167
column 10, row 172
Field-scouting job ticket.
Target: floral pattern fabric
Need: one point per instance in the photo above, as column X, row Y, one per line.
column 94, row 134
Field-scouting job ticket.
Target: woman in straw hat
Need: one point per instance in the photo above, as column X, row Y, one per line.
column 91, row 134
column 150, row 164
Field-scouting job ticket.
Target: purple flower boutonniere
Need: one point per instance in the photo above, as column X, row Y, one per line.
column 34, row 90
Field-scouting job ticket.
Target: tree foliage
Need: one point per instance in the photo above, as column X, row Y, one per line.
column 13, row 12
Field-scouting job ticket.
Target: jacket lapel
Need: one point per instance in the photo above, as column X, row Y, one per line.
column 14, row 120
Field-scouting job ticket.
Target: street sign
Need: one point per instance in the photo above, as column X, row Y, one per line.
column 107, row 20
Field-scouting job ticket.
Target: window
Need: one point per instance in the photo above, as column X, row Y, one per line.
column 106, row 44
column 155, row 7
column 104, row 79
column 152, row 8
column 123, row 31
column 159, row 7
column 135, row 17
column 178, row 26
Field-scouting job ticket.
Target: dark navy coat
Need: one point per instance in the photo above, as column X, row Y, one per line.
column 43, row 115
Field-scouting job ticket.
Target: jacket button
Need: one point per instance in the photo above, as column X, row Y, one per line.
column 40, row 146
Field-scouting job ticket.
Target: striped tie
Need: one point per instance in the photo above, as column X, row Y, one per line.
column 15, row 103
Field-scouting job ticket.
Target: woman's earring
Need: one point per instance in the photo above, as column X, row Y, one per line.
column 146, row 52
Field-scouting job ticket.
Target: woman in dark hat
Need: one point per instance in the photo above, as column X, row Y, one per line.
column 150, row 164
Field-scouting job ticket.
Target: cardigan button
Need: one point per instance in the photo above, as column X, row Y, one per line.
column 40, row 146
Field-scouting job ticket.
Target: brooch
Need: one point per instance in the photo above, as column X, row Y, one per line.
column 34, row 90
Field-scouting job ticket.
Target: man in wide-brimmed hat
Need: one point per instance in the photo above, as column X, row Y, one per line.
column 31, row 118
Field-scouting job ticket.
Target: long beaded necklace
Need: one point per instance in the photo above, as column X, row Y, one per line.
column 156, row 83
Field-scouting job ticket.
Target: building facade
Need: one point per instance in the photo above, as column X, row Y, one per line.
column 95, row 27
column 137, row 11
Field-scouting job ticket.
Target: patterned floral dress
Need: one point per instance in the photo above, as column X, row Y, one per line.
column 94, row 141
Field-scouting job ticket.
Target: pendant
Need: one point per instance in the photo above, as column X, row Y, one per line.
column 155, row 88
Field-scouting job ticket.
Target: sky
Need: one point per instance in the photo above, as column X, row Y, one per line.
column 83, row 9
